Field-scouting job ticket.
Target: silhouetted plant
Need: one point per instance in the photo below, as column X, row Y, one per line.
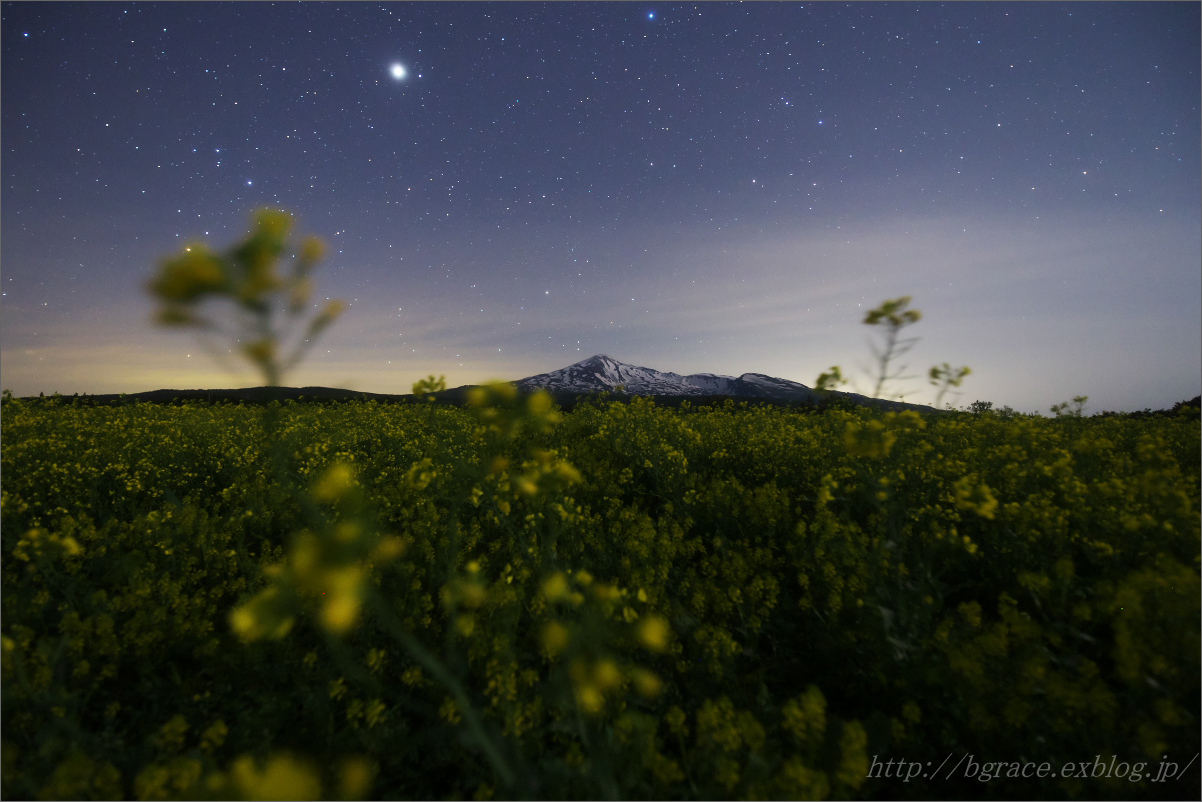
column 945, row 376
column 895, row 316
column 247, row 276
column 425, row 388
column 828, row 381
column 1064, row 410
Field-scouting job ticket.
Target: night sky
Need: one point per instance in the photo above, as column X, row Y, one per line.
column 693, row 188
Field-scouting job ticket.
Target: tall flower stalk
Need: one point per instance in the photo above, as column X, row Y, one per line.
column 248, row 277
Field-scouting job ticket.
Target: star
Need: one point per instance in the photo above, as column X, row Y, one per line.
column 397, row 70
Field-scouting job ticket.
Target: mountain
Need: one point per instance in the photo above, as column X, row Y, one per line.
column 597, row 374
column 600, row 374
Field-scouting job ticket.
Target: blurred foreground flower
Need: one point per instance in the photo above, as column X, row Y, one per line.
column 286, row 776
column 331, row 565
column 248, row 277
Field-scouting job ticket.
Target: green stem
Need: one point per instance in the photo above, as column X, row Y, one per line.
column 600, row 756
column 388, row 619
column 888, row 355
column 688, row 771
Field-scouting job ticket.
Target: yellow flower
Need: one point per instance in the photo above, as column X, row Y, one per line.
column 853, row 743
column 376, row 713
column 648, row 684
column 284, row 777
column 654, row 632
column 969, row 495
column 805, row 716
column 450, row 711
column 606, row 675
column 335, row 483
column 555, row 638
column 388, row 548
column 343, row 599
column 589, row 698
column 266, row 615
column 555, row 587
column 869, row 440
column 355, row 778
column 214, row 736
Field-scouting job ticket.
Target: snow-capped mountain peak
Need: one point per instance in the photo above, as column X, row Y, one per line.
column 603, row 373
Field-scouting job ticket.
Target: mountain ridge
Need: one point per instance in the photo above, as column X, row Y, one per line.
column 596, row 375
column 604, row 374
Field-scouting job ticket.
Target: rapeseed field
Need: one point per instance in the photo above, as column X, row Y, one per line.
column 501, row 601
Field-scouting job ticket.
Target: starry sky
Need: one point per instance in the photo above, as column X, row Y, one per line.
column 506, row 189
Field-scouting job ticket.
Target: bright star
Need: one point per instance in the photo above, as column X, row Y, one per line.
column 397, row 70
column 651, row 15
